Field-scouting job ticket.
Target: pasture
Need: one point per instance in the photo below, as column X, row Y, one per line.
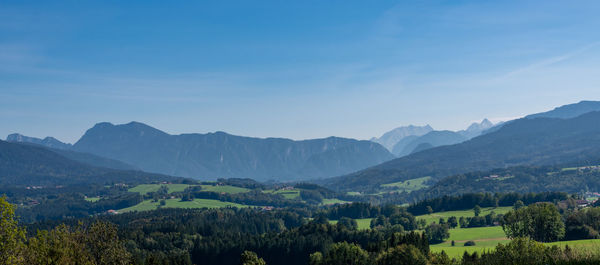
column 149, row 205
column 435, row 217
column 332, row 201
column 92, row 199
column 290, row 194
column 364, row 223
column 147, row 188
column 406, row 186
column 224, row 188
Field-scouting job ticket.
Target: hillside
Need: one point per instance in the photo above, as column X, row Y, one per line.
column 22, row 164
column 563, row 112
column 568, row 111
column 521, row 179
column 217, row 155
column 540, row 141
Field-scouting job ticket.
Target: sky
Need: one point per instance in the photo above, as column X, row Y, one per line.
column 294, row 69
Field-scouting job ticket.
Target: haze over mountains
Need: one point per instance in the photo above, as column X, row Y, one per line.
column 24, row 164
column 529, row 141
column 405, row 140
column 558, row 136
column 391, row 138
column 221, row 155
column 50, row 142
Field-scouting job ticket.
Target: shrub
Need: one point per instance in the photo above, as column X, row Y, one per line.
column 469, row 243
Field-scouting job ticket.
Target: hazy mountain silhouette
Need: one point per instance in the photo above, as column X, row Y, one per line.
column 391, row 138
column 48, row 141
column 214, row 155
column 26, row 164
column 539, row 141
column 433, row 139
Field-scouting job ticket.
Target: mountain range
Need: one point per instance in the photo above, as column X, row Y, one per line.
column 50, row 142
column 565, row 134
column 221, row 155
column 391, row 138
column 26, row 164
column 403, row 141
column 537, row 141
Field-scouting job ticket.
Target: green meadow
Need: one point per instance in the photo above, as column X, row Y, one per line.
column 147, row 188
column 364, row 223
column 148, row 205
column 225, row 189
column 485, row 238
column 332, row 201
column 435, row 217
column 288, row 194
column 406, row 186
column 92, row 199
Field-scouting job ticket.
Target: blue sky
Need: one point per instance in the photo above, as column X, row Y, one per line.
column 302, row 69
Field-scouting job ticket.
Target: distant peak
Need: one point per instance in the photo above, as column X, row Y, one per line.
column 14, row 137
column 132, row 128
column 48, row 141
column 103, row 125
column 135, row 123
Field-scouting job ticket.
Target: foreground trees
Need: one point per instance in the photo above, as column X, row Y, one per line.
column 250, row 258
column 97, row 244
column 541, row 222
column 437, row 233
column 11, row 235
column 402, row 254
column 342, row 253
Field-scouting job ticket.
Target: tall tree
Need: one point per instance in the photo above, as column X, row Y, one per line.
column 402, row 254
column 250, row 258
column 12, row 237
column 477, row 210
column 344, row 253
column 541, row 222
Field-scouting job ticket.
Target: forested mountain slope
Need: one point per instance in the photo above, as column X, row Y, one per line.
column 540, row 141
column 215, row 155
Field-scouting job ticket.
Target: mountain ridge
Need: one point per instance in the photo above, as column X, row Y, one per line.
column 537, row 141
column 219, row 154
column 28, row 164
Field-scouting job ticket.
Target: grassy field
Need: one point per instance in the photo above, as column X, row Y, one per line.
column 92, row 199
column 583, row 245
column 408, row 185
column 288, row 194
column 226, row 189
column 148, row 205
column 485, row 238
column 362, row 223
column 332, row 201
column 147, row 188
column 435, row 217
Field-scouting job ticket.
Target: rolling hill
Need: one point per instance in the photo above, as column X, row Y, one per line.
column 578, row 177
column 23, row 164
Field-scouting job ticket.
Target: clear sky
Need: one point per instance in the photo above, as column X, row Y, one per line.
column 296, row 69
